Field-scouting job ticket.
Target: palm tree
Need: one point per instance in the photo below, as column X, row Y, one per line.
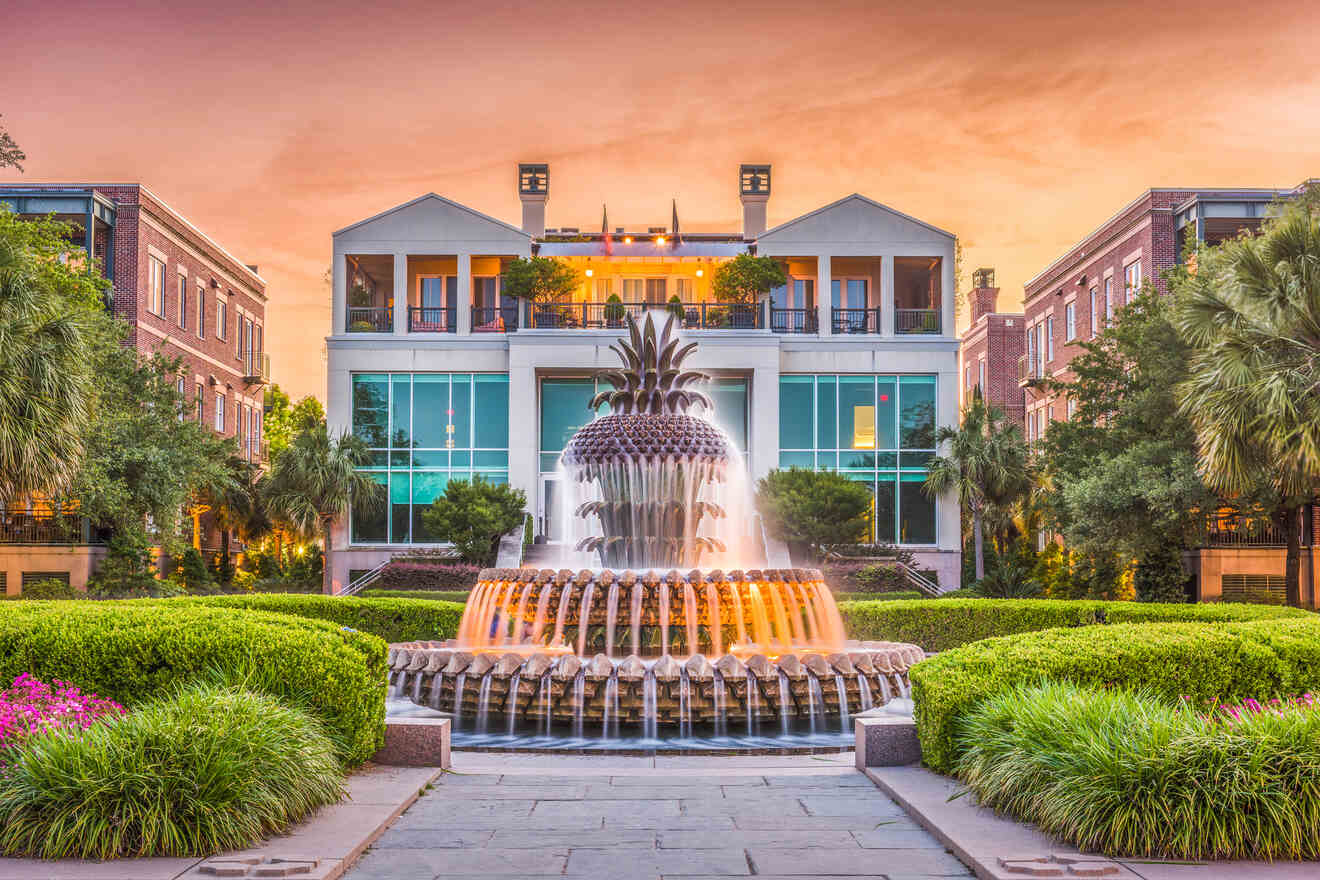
column 238, row 502
column 988, row 465
column 45, row 377
column 1251, row 313
column 315, row 481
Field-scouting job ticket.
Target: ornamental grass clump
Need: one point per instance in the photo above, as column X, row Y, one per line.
column 1130, row 774
column 207, row 769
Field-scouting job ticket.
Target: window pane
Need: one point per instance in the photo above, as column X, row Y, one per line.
column 426, row 487
column 886, row 413
column 400, row 514
column 490, row 459
column 804, row 294
column 492, row 423
column 796, row 459
column 867, row 480
column 795, row 395
column 884, row 508
column 730, row 398
column 918, row 413
column 835, row 286
column 430, row 410
column 460, row 416
column 827, row 461
column 917, row 282
column 826, row 423
column 857, row 459
column 369, row 528
column 916, row 521
column 857, row 412
column 371, row 397
column 563, row 410
column 401, row 412
column 856, row 293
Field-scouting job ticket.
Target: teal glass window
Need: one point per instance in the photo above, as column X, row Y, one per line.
column 437, row 423
column 564, row 409
column 729, row 394
column 878, row 429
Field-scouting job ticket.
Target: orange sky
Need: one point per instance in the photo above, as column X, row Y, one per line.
column 1018, row 125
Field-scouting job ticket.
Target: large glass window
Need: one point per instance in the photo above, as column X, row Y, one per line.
column 878, row 430
column 425, row 429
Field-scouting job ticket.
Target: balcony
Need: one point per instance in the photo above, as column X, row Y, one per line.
column 1029, row 370
column 494, row 319
column 613, row 315
column 1230, row 530
column 917, row 321
column 793, row 320
column 256, row 367
column 432, row 319
column 370, row 319
column 853, row 321
column 44, row 525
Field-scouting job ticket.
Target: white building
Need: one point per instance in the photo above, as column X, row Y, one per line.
column 445, row 377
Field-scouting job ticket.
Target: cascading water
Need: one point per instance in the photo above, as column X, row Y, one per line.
column 843, row 701
column 579, row 702
column 511, row 704
column 459, row 684
column 483, row 702
column 784, row 699
column 650, row 713
column 865, row 688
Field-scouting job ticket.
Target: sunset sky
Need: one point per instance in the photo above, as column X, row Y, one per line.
column 1020, row 126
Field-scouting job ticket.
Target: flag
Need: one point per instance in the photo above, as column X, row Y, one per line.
column 675, row 239
column 605, row 237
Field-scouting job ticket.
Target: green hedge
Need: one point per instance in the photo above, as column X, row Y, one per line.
column 459, row 596
column 941, row 624
column 394, row 620
column 135, row 651
column 1258, row 659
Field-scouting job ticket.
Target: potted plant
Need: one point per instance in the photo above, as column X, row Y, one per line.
column 359, row 297
column 675, row 307
column 614, row 311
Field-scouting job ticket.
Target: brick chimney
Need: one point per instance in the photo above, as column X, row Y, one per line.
column 984, row 294
column 534, row 190
column 754, row 190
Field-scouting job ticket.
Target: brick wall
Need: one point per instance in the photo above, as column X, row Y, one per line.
column 996, row 338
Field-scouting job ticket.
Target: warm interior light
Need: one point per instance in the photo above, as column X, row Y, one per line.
column 590, row 273
column 863, row 427
column 701, row 272
column 659, row 239
column 627, row 239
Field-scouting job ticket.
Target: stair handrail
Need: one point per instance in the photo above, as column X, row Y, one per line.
column 364, row 580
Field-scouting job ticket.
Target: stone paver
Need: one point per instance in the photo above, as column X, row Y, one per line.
column 654, row 819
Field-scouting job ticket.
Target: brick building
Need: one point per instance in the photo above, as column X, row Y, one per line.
column 991, row 346
column 183, row 295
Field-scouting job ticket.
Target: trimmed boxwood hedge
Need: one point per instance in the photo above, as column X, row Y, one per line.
column 394, row 620
column 459, row 596
column 1203, row 661
column 941, row 624
column 135, row 651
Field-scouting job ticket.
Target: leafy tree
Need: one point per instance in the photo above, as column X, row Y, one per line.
column 1122, row 476
column 472, row 515
column 316, row 480
column 1251, row 315
column 193, row 570
column 987, row 464
column 239, row 505
column 47, row 307
column 539, row 279
column 285, row 420
column 10, row 155
column 1014, row 577
column 745, row 279
column 1160, row 577
column 813, row 507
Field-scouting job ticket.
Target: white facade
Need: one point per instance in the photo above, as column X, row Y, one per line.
column 863, row 237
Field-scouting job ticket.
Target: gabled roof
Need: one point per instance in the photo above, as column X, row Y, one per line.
column 450, row 202
column 855, row 197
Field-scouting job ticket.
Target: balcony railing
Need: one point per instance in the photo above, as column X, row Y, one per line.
column 848, row 321
column 1234, row 531
column 370, row 319
column 432, row 319
column 613, row 315
column 1029, row 370
column 22, row 526
column 917, row 321
column 793, row 320
column 256, row 367
column 494, row 319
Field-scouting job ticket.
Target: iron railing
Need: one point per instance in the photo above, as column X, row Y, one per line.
column 917, row 321
column 793, row 320
column 856, row 321
column 256, row 367
column 1236, row 531
column 613, row 315
column 432, row 319
column 1029, row 369
column 44, row 526
column 370, row 319
column 494, row 319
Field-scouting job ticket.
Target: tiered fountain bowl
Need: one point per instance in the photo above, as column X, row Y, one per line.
column 649, row 642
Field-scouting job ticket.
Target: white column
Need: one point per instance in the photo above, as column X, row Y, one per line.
column 948, row 296
column 339, row 295
column 400, row 293
column 763, row 444
column 887, row 295
column 465, row 299
column 824, row 296
column 523, row 431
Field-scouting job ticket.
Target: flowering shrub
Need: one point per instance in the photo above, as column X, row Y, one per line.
column 420, row 573
column 1236, row 714
column 31, row 706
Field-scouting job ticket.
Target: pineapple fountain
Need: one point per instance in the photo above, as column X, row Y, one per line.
column 647, row 641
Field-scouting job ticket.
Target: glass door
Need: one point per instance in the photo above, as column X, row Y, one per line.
column 550, row 523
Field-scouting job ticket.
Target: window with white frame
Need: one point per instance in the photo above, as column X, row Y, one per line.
column 1132, row 278
column 1109, row 301
column 683, row 289
column 980, row 374
column 967, row 376
column 156, row 286
column 1095, row 312
column 181, row 385
column 220, row 413
column 221, row 317
column 201, row 310
column 1072, row 407
column 1040, row 349
column 183, row 301
column 604, row 289
column 1070, row 320
column 634, row 290
column 1049, row 339
column 201, row 402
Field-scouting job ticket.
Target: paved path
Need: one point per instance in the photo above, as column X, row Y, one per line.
column 620, row 818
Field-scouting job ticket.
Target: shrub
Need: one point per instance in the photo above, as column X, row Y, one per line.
column 1012, row 578
column 944, row 623
column 473, row 514
column 30, row 706
column 888, row 596
column 50, row 588
column 131, row 652
column 1131, row 775
column 126, row 570
column 459, row 596
column 394, row 620
column 416, row 572
column 193, row 570
column 812, row 507
column 1202, row 661
column 208, row 769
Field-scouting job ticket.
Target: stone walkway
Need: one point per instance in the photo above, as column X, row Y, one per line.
column 622, row 818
